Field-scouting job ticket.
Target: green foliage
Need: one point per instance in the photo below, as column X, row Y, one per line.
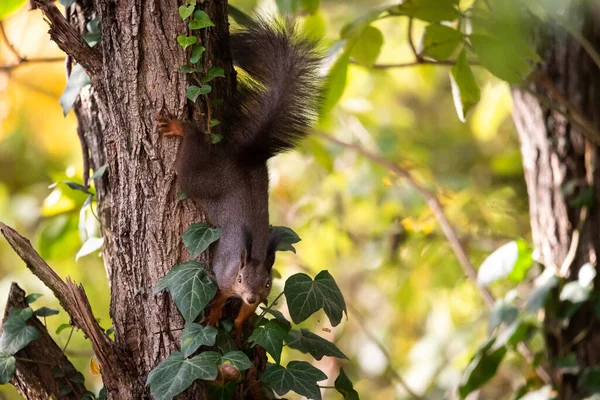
column 78, row 79
column 428, row 10
column 270, row 336
column 511, row 260
column 590, row 379
column 92, row 36
column 8, row 366
column 197, row 52
column 481, row 368
column 288, row 238
column 308, row 342
column 198, row 237
column 15, row 333
column 99, row 173
column 367, row 46
column 305, row 297
column 46, row 312
column 62, row 327
column 186, row 41
column 193, row 91
column 201, row 20
column 345, row 387
column 191, row 287
column 440, row 42
column 32, row 297
column 298, row 376
column 213, row 72
column 186, row 11
column 194, row 336
column 9, row 6
column 465, row 90
column 91, row 245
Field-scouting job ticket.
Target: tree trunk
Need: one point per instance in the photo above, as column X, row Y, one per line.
column 560, row 159
column 142, row 219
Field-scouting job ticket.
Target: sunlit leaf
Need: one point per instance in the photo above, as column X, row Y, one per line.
column 367, row 46
column 305, row 297
column 298, row 376
column 186, row 41
column 62, row 327
column 91, row 245
column 201, row 20
column 77, row 80
column 186, row 11
column 465, row 91
column 500, row 58
column 440, row 41
column 344, row 386
column 198, row 237
column 98, row 173
column 191, row 287
column 335, row 83
column 428, row 10
column 8, row 7
column 311, row 6
column 574, row 293
column 510, row 260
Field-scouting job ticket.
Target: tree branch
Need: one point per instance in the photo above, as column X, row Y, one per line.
column 35, row 378
column 68, row 39
column 74, row 301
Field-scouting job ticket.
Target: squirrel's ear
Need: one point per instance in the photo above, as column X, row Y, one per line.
column 243, row 258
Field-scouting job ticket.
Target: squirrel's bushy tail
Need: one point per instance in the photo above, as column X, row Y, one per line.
column 279, row 90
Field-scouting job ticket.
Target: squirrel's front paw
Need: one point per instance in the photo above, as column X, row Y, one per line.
column 168, row 125
column 212, row 319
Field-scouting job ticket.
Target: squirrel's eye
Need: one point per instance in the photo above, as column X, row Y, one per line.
column 268, row 285
column 239, row 279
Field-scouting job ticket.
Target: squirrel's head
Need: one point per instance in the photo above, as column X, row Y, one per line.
column 253, row 281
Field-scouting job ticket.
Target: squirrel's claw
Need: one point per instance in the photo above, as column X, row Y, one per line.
column 168, row 125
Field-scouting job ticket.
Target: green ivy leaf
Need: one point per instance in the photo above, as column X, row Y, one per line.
column 194, row 336
column 197, row 52
column 543, row 286
column 502, row 313
column 76, row 81
column 193, row 91
column 225, row 343
column 186, row 41
column 213, row 72
column 288, row 238
column 201, row 20
column 335, row 83
column 311, row 6
column 298, row 376
column 8, row 7
column 481, row 368
column 308, row 342
column 214, row 122
column 15, row 333
column 440, row 41
column 30, row 298
column 62, row 327
column 280, row 318
column 368, row 46
column 500, row 58
column 198, row 237
column 99, row 173
column 305, row 297
column 181, row 195
column 191, row 287
column 428, row 10
column 510, row 260
column 185, row 12
column 344, row 386
column 8, row 366
column 238, row 359
column 77, row 377
column 465, row 90
column 590, row 379
column 270, row 336
column 102, row 394
column 215, row 138
column 176, row 373
column 46, row 312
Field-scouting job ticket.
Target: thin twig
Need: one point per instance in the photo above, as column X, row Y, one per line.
column 411, row 42
column 359, row 320
column 434, row 205
column 273, row 303
column 11, row 47
column 69, row 339
column 25, row 61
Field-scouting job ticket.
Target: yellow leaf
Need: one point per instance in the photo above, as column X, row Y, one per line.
column 94, row 367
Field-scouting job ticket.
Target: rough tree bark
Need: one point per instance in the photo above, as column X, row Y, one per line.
column 135, row 73
column 559, row 154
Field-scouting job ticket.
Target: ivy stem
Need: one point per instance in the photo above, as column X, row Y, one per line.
column 29, row 360
column 271, row 305
column 326, row 387
column 69, row 339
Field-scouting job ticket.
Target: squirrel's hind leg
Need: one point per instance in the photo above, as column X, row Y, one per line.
column 216, row 309
column 168, row 125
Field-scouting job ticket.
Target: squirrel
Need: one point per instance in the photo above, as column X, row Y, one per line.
column 271, row 112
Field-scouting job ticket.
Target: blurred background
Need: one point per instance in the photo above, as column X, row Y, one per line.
column 413, row 315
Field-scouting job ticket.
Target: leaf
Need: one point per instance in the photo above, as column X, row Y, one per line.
column 186, row 41
column 66, row 3
column 280, row 318
column 335, row 83
column 15, row 333
column 502, row 313
column 191, row 287
column 225, row 343
column 77, row 186
column 99, row 173
column 440, row 41
column 574, row 293
column 298, row 376
column 288, row 238
column 356, row 27
column 214, row 122
column 93, row 367
column 32, row 297
column 91, row 245
column 428, row 10
column 308, row 342
column 590, row 379
column 46, row 312
column 510, row 260
column 201, row 20
column 305, row 297
column 93, row 35
column 344, row 386
column 77, row 80
column 311, row 6
column 481, row 368
column 190, row 70
column 543, row 286
column 198, row 237
column 186, row 11
column 215, row 138
column 197, row 52
column 181, row 195
column 221, row 392
column 194, row 336
column 62, row 327
column 500, row 58
column 77, row 377
column 586, row 275
column 465, row 91
column 175, row 374
column 8, row 366
column 8, row 7
column 102, row 394
column 568, row 364
column 238, row 359
column 193, row 91
column 213, row 72
column 270, row 336
column 240, row 17
column 367, row 46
